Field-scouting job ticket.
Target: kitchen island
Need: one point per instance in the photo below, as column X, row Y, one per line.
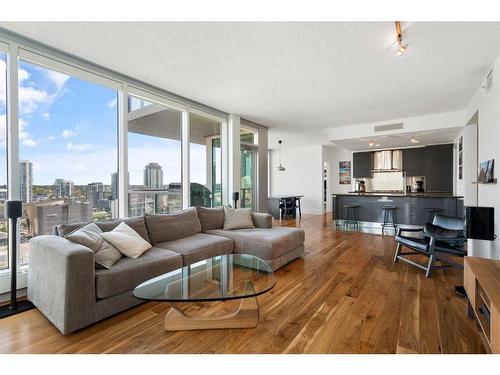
column 411, row 208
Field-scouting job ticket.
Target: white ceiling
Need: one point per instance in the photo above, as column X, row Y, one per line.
column 292, row 75
column 424, row 138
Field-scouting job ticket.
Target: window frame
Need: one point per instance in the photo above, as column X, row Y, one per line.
column 17, row 47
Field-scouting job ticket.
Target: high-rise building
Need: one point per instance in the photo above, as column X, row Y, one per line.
column 153, row 176
column 42, row 217
column 95, row 192
column 63, row 188
column 26, row 180
column 114, row 185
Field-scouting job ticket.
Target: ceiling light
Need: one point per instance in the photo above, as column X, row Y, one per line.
column 280, row 168
column 377, row 145
column 413, row 140
column 371, row 144
column 401, row 46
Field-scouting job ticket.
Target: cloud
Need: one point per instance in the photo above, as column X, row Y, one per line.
column 29, row 142
column 68, row 134
column 51, row 137
column 25, row 137
column 58, row 78
column 22, row 75
column 77, row 146
column 46, row 116
column 112, row 103
column 30, row 98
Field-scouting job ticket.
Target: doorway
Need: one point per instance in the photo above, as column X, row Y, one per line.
column 248, row 182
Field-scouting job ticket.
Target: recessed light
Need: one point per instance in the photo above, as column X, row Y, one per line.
column 371, row 144
column 377, row 145
column 414, row 140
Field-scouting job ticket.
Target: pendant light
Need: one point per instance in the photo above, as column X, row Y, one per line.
column 280, row 168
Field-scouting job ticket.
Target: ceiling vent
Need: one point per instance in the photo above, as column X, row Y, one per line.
column 489, row 81
column 385, row 128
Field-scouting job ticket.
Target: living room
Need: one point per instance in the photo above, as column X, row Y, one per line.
column 313, row 186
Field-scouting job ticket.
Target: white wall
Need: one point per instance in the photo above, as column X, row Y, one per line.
column 488, row 107
column 303, row 175
column 434, row 121
column 335, row 154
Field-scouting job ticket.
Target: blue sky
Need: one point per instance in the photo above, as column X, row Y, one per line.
column 68, row 129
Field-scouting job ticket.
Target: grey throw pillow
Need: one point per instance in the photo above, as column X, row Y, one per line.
column 240, row 218
column 90, row 236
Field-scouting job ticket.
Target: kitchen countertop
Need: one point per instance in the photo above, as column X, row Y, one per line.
column 394, row 194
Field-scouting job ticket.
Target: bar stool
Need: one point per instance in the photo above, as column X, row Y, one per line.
column 352, row 215
column 389, row 217
column 430, row 213
column 297, row 205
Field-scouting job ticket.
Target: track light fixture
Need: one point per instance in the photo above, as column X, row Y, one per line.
column 401, row 46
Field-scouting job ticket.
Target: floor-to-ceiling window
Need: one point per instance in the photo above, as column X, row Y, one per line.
column 67, row 149
column 154, row 158
column 205, row 161
column 4, row 256
column 248, row 168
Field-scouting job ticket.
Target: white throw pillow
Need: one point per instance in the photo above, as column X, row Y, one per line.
column 90, row 235
column 127, row 241
column 238, row 218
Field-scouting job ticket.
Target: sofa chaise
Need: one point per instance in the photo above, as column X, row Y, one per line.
column 67, row 287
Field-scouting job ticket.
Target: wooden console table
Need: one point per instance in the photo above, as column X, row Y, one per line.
column 482, row 284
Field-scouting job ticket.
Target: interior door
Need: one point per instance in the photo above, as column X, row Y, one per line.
column 248, row 182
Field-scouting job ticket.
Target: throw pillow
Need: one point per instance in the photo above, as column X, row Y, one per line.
column 90, row 236
column 127, row 241
column 240, row 218
column 172, row 227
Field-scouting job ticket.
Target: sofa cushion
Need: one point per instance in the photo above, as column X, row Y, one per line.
column 264, row 243
column 90, row 236
column 172, row 227
column 127, row 273
column 127, row 241
column 198, row 247
column 136, row 223
column 238, row 218
column 211, row 218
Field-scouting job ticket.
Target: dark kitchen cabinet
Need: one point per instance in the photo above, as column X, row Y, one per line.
column 362, row 164
column 414, row 161
column 439, row 168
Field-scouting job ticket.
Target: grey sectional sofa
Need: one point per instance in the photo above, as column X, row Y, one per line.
column 65, row 285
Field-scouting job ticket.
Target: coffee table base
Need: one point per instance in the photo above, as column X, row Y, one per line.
column 246, row 316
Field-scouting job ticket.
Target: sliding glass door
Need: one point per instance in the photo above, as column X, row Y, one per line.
column 4, row 256
column 248, row 182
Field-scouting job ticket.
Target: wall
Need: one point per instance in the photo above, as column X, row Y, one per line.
column 303, row 175
column 487, row 105
column 333, row 155
column 435, row 121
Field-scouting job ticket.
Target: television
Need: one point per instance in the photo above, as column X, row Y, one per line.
column 480, row 223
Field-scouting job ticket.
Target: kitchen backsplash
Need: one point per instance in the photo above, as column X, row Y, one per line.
column 385, row 181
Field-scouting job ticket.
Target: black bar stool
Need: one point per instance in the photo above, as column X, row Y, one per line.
column 297, row 205
column 352, row 215
column 389, row 217
column 430, row 213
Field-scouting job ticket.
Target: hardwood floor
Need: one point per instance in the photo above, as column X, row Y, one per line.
column 345, row 296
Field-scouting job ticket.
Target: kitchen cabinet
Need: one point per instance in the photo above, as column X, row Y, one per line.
column 439, row 168
column 362, row 164
column 414, row 161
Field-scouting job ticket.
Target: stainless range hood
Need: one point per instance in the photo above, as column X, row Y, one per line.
column 388, row 161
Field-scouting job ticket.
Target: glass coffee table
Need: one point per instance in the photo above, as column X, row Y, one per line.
column 226, row 277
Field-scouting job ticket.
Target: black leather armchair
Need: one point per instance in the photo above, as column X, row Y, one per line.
column 438, row 241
